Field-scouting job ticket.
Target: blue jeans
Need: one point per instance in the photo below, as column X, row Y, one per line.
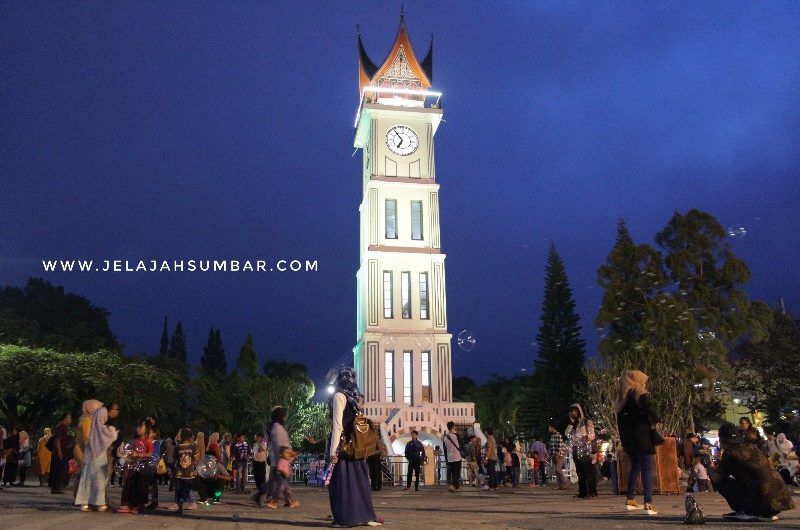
column 641, row 463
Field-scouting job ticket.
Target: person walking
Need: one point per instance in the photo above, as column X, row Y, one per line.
column 281, row 456
column 349, row 490
column 636, row 419
column 44, row 457
column 94, row 475
column 541, row 449
column 63, row 443
column 580, row 433
column 415, row 454
column 81, row 437
column 452, row 450
column 491, row 460
column 558, row 453
column 260, row 450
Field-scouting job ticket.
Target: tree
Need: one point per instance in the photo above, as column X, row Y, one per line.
column 559, row 367
column 767, row 376
column 213, row 363
column 667, row 378
column 44, row 315
column 177, row 346
column 164, row 349
column 631, row 278
column 287, row 370
column 247, row 362
column 40, row 384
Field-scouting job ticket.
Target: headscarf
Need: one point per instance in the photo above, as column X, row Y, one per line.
column 214, row 438
column 89, row 407
column 729, row 434
column 346, row 384
column 24, row 441
column 46, row 436
column 101, row 436
column 631, row 380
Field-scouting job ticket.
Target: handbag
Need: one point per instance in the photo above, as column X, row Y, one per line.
column 656, row 437
column 161, row 467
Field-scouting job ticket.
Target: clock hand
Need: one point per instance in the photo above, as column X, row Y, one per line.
column 401, row 141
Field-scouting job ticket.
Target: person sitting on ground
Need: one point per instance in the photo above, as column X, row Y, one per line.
column 747, row 481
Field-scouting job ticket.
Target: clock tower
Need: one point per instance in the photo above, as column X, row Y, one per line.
column 403, row 352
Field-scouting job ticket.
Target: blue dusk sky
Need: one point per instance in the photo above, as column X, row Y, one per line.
column 180, row 130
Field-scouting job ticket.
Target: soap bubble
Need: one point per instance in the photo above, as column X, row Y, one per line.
column 706, row 335
column 466, row 340
column 736, row 232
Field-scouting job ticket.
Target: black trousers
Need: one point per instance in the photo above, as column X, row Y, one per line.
column 375, row 474
column 491, row 473
column 413, row 467
column 454, row 474
column 259, row 474
column 59, row 473
column 587, row 478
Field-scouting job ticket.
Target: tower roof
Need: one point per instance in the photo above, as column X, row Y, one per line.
column 400, row 68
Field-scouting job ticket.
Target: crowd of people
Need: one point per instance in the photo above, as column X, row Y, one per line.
column 749, row 471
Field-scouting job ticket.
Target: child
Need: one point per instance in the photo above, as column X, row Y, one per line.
column 185, row 461
column 533, row 467
column 137, row 477
column 240, row 454
column 700, row 475
column 210, row 479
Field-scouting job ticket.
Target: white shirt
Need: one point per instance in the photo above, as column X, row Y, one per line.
column 451, row 446
column 338, row 405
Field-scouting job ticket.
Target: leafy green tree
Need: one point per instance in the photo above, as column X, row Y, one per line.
column 247, row 362
column 44, row 315
column 559, row 367
column 40, row 384
column 164, row 349
column 213, row 363
column 767, row 374
column 287, row 370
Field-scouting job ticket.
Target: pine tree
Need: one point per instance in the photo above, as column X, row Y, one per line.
column 164, row 351
column 247, row 362
column 631, row 277
column 213, row 363
column 177, row 346
column 559, row 367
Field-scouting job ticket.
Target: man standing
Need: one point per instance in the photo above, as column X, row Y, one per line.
column 63, row 444
column 557, row 452
column 260, row 461
column 452, row 450
column 415, row 454
column 541, row 449
column 491, row 459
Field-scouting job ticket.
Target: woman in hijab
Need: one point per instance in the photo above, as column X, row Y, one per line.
column 11, row 454
column 581, row 436
column 635, row 418
column 785, row 451
column 44, row 456
column 213, row 446
column 349, row 490
column 94, row 476
column 82, row 436
column 24, row 457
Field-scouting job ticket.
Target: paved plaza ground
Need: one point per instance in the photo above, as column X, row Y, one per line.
column 432, row 508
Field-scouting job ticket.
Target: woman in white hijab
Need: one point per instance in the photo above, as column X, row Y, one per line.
column 94, row 476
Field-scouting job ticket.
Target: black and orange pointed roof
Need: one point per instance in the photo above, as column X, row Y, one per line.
column 370, row 74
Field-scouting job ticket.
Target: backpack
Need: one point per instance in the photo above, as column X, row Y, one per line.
column 364, row 440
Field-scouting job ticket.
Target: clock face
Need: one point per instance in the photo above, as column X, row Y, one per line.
column 402, row 140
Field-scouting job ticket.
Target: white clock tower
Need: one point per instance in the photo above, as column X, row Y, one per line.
column 403, row 355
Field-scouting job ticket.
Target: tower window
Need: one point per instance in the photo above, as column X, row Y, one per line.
column 426, row 377
column 387, row 294
column 408, row 379
column 416, row 220
column 391, row 218
column 423, row 295
column 405, row 293
column 388, row 367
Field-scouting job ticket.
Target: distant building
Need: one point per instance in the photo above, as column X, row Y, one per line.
column 403, row 355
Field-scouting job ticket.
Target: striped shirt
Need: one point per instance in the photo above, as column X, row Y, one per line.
column 557, row 445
